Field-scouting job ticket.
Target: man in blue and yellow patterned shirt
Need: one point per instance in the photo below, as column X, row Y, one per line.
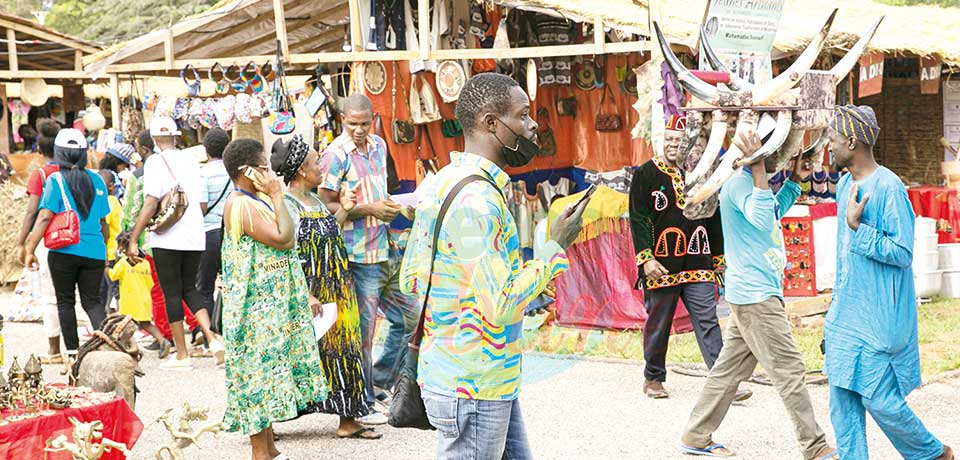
column 470, row 356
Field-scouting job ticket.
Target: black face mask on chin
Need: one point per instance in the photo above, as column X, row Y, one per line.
column 522, row 153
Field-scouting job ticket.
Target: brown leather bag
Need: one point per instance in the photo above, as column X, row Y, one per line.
column 566, row 106
column 172, row 206
column 548, row 141
column 610, row 121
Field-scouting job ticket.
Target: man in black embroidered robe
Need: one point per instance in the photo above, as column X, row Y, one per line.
column 677, row 258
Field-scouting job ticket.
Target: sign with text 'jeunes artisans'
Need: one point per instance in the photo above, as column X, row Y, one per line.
column 742, row 33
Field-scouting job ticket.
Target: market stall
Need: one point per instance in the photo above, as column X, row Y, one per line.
column 42, row 76
column 578, row 61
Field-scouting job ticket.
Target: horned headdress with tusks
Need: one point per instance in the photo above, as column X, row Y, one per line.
column 705, row 177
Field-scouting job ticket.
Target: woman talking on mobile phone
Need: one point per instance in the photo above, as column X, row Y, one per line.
column 273, row 366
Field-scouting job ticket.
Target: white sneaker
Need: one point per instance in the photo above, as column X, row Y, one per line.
column 218, row 352
column 174, row 364
column 373, row 418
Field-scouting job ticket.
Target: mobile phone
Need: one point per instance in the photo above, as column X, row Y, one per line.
column 586, row 195
column 250, row 173
column 542, row 301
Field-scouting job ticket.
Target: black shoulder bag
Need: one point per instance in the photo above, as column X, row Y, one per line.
column 407, row 409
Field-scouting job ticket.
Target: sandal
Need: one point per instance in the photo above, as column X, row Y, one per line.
column 713, row 450
column 830, row 455
column 362, row 433
column 51, row 359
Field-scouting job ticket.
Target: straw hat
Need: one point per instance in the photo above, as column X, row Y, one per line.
column 33, row 91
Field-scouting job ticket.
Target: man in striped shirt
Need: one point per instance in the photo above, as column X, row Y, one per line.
column 469, row 365
column 357, row 160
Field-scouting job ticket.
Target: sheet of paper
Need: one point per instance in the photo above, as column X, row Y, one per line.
column 325, row 319
column 406, row 199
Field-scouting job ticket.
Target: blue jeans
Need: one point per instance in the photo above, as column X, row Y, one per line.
column 378, row 288
column 473, row 429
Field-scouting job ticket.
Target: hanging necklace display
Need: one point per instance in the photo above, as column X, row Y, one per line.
column 222, row 85
column 237, row 85
column 374, row 77
column 193, row 88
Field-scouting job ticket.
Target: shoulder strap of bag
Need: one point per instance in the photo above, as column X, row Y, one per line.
column 172, row 175
column 418, row 332
column 215, row 203
column 63, row 192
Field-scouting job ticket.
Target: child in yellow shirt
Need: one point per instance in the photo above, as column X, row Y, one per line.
column 108, row 289
column 135, row 285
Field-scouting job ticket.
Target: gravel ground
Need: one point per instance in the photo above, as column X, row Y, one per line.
column 574, row 409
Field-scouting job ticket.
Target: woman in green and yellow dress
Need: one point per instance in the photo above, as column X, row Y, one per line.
column 324, row 260
column 272, row 365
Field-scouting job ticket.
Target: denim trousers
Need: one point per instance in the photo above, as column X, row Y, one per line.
column 378, row 289
column 472, row 429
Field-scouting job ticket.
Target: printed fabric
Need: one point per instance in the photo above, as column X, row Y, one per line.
column 345, row 166
column 273, row 369
column 480, row 287
column 324, row 261
column 690, row 250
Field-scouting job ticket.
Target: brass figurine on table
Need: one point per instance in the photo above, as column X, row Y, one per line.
column 182, row 431
column 34, row 373
column 88, row 442
column 16, row 375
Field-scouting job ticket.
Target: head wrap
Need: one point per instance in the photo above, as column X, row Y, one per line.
column 856, row 122
column 676, row 123
column 286, row 158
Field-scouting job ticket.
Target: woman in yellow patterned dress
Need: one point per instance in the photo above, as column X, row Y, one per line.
column 272, row 365
column 324, row 260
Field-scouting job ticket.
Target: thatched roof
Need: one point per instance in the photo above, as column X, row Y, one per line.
column 906, row 30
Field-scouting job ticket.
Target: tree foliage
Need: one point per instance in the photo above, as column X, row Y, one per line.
column 109, row 21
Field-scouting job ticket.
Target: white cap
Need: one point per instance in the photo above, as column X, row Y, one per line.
column 70, row 138
column 163, row 126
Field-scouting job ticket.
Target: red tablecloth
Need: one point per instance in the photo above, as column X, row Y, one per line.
column 938, row 203
column 27, row 438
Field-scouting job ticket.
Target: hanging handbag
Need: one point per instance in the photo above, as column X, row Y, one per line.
column 451, row 128
column 407, row 409
column 172, row 206
column 393, row 180
column 429, row 108
column 64, row 229
column 403, row 131
column 611, row 121
column 131, row 120
column 566, row 106
column 548, row 142
column 282, row 120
